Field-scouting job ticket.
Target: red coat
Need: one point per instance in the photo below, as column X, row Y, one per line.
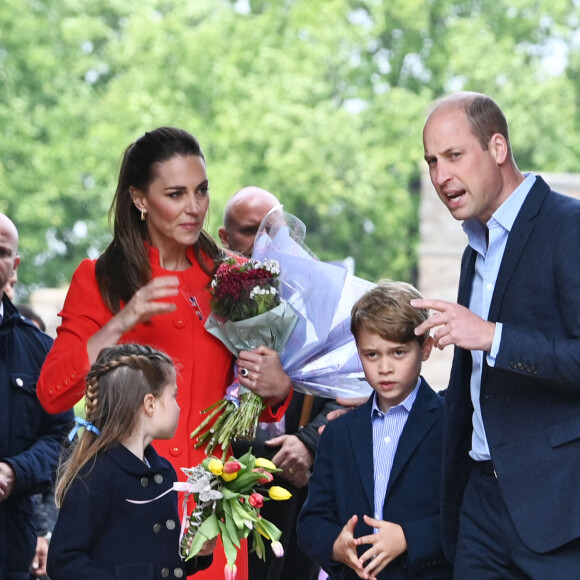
column 203, row 363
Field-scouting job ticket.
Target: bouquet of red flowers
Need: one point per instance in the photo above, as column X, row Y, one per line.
column 228, row 502
column 242, row 290
column 246, row 312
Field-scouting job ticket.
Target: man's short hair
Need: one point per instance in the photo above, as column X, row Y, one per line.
column 486, row 119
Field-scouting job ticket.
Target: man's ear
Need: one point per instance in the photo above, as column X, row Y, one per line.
column 499, row 148
column 16, row 263
column 222, row 233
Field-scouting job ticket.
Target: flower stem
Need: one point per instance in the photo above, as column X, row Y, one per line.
column 221, row 404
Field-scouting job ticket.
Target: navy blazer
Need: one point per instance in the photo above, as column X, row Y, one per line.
column 99, row 535
column 530, row 399
column 342, row 484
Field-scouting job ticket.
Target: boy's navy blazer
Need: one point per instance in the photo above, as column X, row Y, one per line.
column 530, row 399
column 343, row 484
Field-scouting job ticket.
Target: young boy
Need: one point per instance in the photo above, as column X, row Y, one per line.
column 372, row 510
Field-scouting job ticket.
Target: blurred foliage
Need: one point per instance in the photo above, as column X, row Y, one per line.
column 320, row 101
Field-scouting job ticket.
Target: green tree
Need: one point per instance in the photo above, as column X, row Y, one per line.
column 320, row 101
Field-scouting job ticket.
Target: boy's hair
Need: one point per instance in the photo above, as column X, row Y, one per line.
column 386, row 311
column 116, row 387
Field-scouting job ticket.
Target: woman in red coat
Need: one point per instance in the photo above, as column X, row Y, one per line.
column 151, row 286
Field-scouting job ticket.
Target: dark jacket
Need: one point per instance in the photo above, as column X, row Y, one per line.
column 99, row 535
column 30, row 438
column 343, row 484
column 530, row 399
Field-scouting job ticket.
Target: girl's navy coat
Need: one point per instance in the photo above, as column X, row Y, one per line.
column 99, row 535
column 343, row 484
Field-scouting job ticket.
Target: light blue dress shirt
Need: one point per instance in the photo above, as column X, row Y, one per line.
column 387, row 429
column 487, row 264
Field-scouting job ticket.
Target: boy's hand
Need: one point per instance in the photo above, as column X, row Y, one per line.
column 387, row 544
column 344, row 549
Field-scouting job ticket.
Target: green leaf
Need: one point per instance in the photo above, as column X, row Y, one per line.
column 208, row 530
column 270, row 530
column 235, row 533
column 244, row 483
column 228, row 493
column 258, row 545
column 246, row 513
column 231, row 512
column 209, row 527
column 196, row 545
column 229, row 546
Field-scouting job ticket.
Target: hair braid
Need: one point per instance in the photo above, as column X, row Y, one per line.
column 116, row 386
column 91, row 396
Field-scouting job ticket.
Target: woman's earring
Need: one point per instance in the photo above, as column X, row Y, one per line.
column 142, row 216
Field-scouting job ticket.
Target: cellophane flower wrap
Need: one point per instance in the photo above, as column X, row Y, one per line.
column 228, row 499
column 246, row 311
column 320, row 357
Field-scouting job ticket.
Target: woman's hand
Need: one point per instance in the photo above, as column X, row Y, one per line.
column 265, row 375
column 144, row 305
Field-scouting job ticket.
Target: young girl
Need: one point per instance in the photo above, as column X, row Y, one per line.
column 130, row 400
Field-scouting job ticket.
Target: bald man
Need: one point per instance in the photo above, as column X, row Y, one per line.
column 243, row 215
column 9, row 262
column 511, row 452
column 30, row 439
column 290, row 446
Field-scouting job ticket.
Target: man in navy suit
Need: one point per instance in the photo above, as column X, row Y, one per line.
column 511, row 450
column 373, row 499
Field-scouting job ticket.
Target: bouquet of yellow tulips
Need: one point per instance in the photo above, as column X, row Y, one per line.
column 228, row 502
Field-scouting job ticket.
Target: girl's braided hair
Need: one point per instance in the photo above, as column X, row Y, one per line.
column 116, row 386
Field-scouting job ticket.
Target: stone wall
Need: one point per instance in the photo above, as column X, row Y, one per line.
column 47, row 303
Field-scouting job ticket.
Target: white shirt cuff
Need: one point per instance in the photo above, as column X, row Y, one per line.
column 492, row 355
